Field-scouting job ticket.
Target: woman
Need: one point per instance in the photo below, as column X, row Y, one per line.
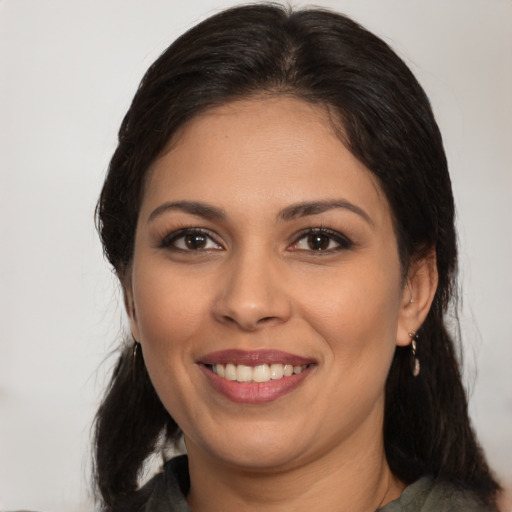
column 280, row 216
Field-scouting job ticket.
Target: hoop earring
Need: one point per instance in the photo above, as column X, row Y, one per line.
column 415, row 362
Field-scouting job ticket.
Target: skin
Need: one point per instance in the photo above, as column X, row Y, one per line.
column 258, row 283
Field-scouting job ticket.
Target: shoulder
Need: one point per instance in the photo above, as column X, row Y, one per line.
column 169, row 488
column 430, row 495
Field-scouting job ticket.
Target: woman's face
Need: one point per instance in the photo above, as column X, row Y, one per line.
column 266, row 287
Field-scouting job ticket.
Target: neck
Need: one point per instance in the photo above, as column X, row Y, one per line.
column 359, row 482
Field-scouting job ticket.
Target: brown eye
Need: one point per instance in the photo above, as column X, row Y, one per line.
column 190, row 240
column 195, row 241
column 318, row 242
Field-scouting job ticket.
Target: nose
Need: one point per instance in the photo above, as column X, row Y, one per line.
column 252, row 294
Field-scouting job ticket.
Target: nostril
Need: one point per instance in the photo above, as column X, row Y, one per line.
column 248, row 323
column 250, row 307
column 230, row 320
column 266, row 319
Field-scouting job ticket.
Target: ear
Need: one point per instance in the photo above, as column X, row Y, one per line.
column 129, row 305
column 417, row 296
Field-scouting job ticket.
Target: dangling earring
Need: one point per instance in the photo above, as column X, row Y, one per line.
column 136, row 346
column 415, row 362
column 135, row 355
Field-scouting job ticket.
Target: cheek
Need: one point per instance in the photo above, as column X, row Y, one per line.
column 170, row 314
column 169, row 317
column 355, row 312
column 169, row 309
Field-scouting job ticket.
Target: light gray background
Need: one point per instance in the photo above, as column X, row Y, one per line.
column 68, row 70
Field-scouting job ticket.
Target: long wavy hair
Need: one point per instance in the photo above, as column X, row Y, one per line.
column 384, row 118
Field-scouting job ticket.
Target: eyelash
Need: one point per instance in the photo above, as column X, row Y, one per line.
column 169, row 241
column 343, row 243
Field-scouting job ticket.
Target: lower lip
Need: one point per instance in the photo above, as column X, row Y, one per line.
column 255, row 392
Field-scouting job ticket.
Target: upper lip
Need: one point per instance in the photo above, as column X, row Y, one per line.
column 254, row 357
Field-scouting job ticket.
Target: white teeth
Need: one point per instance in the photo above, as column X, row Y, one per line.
column 259, row 373
column 219, row 370
column 230, row 372
column 276, row 371
column 244, row 373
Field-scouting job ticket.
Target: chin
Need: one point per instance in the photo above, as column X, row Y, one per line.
column 256, row 449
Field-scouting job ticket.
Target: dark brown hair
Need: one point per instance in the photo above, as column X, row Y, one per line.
column 387, row 123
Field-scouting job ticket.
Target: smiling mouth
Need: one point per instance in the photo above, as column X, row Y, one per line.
column 258, row 373
column 255, row 377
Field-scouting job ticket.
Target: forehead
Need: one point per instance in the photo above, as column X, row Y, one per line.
column 271, row 150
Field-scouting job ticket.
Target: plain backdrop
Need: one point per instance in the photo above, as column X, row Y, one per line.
column 68, row 71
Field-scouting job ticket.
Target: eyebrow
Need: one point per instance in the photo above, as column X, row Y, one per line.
column 195, row 208
column 289, row 213
column 316, row 207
